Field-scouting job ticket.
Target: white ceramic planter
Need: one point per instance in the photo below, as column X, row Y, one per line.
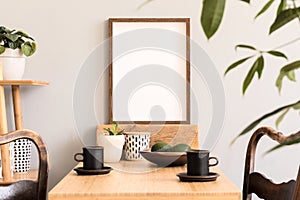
column 13, row 64
column 113, row 146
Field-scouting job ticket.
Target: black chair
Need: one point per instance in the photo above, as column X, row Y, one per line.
column 258, row 184
column 27, row 189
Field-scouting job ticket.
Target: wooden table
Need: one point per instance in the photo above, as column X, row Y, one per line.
column 142, row 180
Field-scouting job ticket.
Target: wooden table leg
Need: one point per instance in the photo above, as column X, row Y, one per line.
column 17, row 107
column 6, row 172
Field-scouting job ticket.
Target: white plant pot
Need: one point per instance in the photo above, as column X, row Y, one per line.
column 13, row 64
column 113, row 146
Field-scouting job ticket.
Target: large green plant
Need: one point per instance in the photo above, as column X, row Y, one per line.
column 211, row 17
column 16, row 40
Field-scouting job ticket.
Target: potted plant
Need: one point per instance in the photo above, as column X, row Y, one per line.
column 112, row 141
column 14, row 47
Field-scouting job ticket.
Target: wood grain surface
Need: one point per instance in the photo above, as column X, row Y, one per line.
column 142, row 180
column 5, row 155
column 23, row 82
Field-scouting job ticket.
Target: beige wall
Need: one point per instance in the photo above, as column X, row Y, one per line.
column 68, row 31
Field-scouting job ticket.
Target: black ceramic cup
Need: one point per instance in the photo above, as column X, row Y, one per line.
column 198, row 162
column 92, row 157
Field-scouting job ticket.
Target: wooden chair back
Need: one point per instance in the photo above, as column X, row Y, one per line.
column 169, row 133
column 27, row 189
column 257, row 183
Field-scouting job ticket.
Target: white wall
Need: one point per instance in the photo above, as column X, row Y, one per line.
column 68, row 31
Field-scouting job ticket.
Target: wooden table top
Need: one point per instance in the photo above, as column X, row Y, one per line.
column 142, row 180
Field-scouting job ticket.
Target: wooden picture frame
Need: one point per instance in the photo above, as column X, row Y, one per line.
column 134, row 44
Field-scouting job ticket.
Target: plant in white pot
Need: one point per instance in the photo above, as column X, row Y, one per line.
column 14, row 47
column 112, row 141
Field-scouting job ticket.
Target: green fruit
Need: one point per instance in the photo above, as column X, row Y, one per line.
column 160, row 146
column 180, row 148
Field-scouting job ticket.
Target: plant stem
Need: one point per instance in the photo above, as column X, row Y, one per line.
column 288, row 43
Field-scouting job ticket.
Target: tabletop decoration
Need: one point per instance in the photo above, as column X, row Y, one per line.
column 198, row 164
column 134, row 143
column 165, row 155
column 113, row 141
column 82, row 171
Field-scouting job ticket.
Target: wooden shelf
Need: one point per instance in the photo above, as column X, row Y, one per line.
column 23, row 82
column 18, row 118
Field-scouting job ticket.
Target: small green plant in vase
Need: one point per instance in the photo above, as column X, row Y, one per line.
column 15, row 45
column 112, row 141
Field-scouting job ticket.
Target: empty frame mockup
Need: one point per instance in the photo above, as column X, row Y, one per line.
column 149, row 70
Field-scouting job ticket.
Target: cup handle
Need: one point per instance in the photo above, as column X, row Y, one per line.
column 214, row 164
column 78, row 154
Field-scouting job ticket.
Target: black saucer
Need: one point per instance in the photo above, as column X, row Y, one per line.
column 187, row 178
column 81, row 171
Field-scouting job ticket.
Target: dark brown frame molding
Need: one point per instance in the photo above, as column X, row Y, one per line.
column 111, row 21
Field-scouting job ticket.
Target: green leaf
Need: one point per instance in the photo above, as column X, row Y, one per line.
column 295, row 141
column 27, row 50
column 257, row 121
column 34, row 47
column 211, row 16
column 267, row 5
column 121, row 132
column 291, row 76
column 296, row 106
column 109, row 131
column 285, row 71
column 235, row 64
column 281, row 6
column 245, row 47
column 277, row 53
column 23, row 34
column 12, row 45
column 260, row 66
column 256, row 67
column 280, row 118
column 283, row 18
column 278, row 83
column 4, row 30
column 19, row 43
column 2, row 49
column 11, row 37
column 115, row 127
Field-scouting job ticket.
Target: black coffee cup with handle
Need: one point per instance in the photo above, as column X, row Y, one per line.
column 92, row 157
column 198, row 162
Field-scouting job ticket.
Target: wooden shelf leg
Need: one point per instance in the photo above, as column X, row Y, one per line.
column 17, row 107
column 6, row 172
